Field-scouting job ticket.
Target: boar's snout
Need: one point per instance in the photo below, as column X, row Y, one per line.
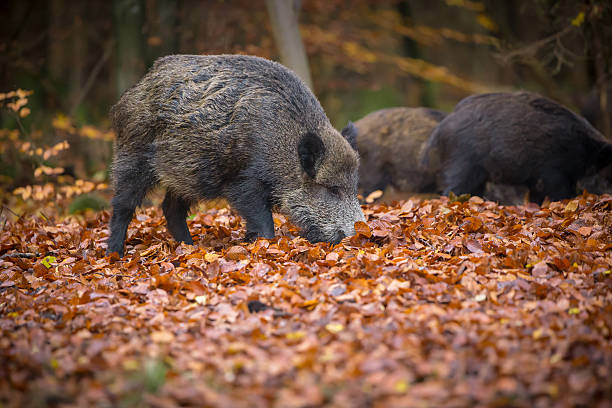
column 315, row 232
column 315, row 235
column 349, row 229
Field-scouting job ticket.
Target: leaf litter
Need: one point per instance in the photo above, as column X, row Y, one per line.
column 431, row 303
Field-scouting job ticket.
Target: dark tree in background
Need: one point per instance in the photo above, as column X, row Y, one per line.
column 572, row 38
column 128, row 20
column 161, row 28
column 598, row 31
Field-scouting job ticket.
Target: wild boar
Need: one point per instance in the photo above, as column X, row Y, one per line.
column 390, row 143
column 518, row 138
column 238, row 127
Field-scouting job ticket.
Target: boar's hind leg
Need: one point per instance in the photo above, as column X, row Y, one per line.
column 461, row 177
column 131, row 185
column 250, row 199
column 175, row 210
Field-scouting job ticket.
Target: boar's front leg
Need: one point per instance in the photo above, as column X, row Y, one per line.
column 133, row 178
column 175, row 210
column 462, row 176
column 250, row 198
column 124, row 204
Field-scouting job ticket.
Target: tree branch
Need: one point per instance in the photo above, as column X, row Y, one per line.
column 92, row 76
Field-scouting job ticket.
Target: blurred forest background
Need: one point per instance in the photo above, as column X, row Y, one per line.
column 73, row 59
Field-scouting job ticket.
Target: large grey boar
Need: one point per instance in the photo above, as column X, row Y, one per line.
column 239, row 127
column 518, row 138
column 390, row 143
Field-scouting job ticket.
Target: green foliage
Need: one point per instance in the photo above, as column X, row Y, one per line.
column 452, row 197
column 154, row 375
column 358, row 103
column 87, row 202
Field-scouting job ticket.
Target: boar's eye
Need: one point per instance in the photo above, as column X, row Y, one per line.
column 335, row 190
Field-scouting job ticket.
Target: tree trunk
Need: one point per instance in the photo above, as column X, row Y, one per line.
column 602, row 86
column 412, row 50
column 161, row 23
column 56, row 63
column 78, row 52
column 128, row 18
column 284, row 19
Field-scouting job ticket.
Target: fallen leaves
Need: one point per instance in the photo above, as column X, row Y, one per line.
column 433, row 303
column 363, row 229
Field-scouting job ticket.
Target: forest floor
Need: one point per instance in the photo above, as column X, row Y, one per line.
column 432, row 303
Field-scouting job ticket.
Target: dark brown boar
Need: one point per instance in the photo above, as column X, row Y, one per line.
column 521, row 139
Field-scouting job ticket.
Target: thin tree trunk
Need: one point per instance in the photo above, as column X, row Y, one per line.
column 57, row 40
column 602, row 86
column 77, row 53
column 128, row 18
column 284, row 19
column 412, row 50
column 161, row 23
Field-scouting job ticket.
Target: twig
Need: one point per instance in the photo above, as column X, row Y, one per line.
column 20, row 255
column 425, row 242
column 11, row 211
column 45, row 217
column 534, row 47
column 6, row 218
column 92, row 76
column 23, row 131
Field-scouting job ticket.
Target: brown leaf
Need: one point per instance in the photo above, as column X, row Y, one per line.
column 472, row 224
column 237, row 253
column 363, row 229
column 473, row 246
column 540, row 270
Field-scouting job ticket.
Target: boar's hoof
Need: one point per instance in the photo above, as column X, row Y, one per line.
column 251, row 236
column 110, row 251
column 338, row 236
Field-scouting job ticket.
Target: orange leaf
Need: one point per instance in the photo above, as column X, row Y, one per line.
column 363, row 229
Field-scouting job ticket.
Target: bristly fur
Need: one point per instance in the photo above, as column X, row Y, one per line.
column 390, row 143
column 229, row 126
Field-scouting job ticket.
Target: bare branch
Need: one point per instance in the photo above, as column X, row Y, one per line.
column 92, row 76
column 531, row 49
column 20, row 255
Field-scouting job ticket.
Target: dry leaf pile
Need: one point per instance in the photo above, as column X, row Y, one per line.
column 432, row 303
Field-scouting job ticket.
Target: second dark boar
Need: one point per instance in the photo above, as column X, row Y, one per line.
column 390, row 143
column 239, row 127
column 515, row 138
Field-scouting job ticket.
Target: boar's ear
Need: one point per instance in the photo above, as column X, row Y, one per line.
column 311, row 150
column 350, row 134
